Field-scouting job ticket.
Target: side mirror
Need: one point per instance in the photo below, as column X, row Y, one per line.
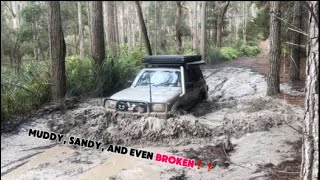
column 189, row 85
column 129, row 82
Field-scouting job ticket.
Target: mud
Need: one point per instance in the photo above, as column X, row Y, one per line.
column 236, row 106
column 101, row 126
column 237, row 113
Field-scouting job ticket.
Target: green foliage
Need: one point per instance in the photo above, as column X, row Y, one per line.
column 21, row 94
column 258, row 27
column 79, row 75
column 33, row 31
column 29, row 90
column 250, row 50
column 284, row 48
column 213, row 55
column 229, row 53
column 32, row 12
column 82, row 78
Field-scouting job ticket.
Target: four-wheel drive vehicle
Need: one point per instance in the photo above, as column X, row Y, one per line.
column 168, row 84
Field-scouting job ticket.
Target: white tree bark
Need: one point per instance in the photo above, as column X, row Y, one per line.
column 310, row 149
column 203, row 30
column 195, row 26
column 80, row 30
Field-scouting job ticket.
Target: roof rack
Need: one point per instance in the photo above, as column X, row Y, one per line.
column 172, row 60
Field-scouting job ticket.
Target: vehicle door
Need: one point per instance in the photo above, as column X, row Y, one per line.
column 190, row 82
column 199, row 82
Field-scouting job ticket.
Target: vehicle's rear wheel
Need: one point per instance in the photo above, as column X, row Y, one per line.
column 202, row 96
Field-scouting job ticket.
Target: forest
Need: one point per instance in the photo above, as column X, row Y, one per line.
column 92, row 63
column 53, row 51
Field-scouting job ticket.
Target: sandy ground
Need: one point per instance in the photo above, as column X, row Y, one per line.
column 237, row 110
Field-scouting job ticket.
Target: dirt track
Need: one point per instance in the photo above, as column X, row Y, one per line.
column 237, row 109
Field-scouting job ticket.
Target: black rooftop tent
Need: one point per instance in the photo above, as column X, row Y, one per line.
column 172, row 60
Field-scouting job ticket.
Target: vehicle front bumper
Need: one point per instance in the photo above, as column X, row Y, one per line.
column 131, row 112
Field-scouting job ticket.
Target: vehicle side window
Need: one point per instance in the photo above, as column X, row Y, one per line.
column 192, row 75
column 199, row 72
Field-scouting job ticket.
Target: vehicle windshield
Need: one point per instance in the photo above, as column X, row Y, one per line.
column 160, row 78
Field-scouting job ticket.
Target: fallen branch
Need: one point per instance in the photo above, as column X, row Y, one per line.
column 289, row 172
column 296, row 28
column 298, row 45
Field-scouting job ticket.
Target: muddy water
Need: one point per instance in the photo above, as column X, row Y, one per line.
column 237, row 108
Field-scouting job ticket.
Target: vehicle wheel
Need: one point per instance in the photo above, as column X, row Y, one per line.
column 177, row 109
column 202, row 96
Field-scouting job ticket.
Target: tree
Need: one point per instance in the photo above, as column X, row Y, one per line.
column 273, row 80
column 178, row 28
column 58, row 52
column 116, row 25
column 143, row 28
column 220, row 18
column 296, row 40
column 97, row 40
column 203, row 30
column 244, row 29
column 195, row 27
column 310, row 148
column 81, row 50
column 89, row 24
column 111, row 28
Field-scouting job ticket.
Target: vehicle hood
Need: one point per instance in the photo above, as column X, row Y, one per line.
column 159, row 94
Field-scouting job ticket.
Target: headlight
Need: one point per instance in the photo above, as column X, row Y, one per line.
column 159, row 107
column 111, row 104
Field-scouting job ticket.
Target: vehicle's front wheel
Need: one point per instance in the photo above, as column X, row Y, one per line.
column 177, row 109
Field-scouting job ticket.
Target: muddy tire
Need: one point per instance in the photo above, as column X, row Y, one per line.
column 202, row 96
column 177, row 109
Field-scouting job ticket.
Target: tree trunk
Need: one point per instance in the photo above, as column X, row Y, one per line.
column 15, row 14
column 244, row 29
column 58, row 52
column 155, row 43
column 80, row 30
column 97, row 40
column 203, row 30
column 273, row 80
column 111, row 28
column 143, row 28
column 178, row 28
column 195, row 27
column 219, row 23
column 89, row 24
column 105, row 22
column 129, row 37
column 296, row 39
column 122, row 23
column 116, row 31
column 310, row 149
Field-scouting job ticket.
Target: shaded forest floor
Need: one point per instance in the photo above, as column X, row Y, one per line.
column 260, row 65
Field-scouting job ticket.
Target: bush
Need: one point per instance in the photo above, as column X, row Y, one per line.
column 229, row 53
column 114, row 75
column 250, row 50
column 213, row 55
column 83, row 80
column 79, row 75
column 29, row 90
